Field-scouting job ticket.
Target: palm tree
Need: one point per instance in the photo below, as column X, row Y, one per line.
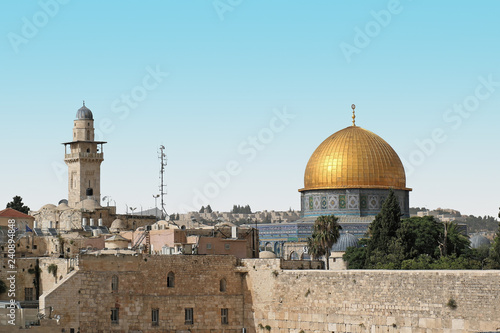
column 453, row 242
column 326, row 233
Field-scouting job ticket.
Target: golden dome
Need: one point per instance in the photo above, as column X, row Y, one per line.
column 354, row 158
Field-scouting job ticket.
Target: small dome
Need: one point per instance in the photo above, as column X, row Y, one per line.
column 478, row 240
column 48, row 206
column 267, row 255
column 63, row 206
column 84, row 113
column 345, row 241
column 88, row 204
column 117, row 225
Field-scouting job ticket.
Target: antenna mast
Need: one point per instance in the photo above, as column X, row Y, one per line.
column 163, row 163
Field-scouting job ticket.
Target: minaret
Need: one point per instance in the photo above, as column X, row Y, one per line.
column 83, row 159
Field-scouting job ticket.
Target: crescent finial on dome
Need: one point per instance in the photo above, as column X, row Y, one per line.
column 353, row 107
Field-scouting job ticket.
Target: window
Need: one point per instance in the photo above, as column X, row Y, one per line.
column 28, row 294
column 114, row 283
column 224, row 318
column 114, row 315
column 35, row 247
column 227, row 246
column 222, row 286
column 188, row 316
column 155, row 317
column 209, row 246
column 171, row 280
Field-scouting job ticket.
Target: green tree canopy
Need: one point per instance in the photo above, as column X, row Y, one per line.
column 383, row 229
column 418, row 243
column 326, row 232
column 420, row 235
column 17, row 204
column 237, row 209
column 493, row 261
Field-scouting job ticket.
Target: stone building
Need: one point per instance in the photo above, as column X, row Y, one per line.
column 151, row 294
column 84, row 160
column 83, row 156
column 22, row 222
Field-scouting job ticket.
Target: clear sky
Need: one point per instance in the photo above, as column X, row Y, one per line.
column 244, row 91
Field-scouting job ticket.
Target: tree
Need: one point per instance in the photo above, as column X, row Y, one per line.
column 493, row 261
column 3, row 287
column 420, row 235
column 478, row 224
column 202, row 209
column 208, row 209
column 53, row 269
column 383, row 229
column 237, row 209
column 247, row 209
column 326, row 232
column 17, row 204
column 355, row 257
column 453, row 241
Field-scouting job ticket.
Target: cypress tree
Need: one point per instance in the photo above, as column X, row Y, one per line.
column 383, row 229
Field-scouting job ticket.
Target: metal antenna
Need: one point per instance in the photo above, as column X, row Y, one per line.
column 163, row 163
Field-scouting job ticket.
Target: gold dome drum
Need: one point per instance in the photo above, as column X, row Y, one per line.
column 354, row 158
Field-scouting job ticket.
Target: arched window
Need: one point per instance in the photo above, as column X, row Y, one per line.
column 114, row 283
column 171, row 280
column 223, row 285
column 294, row 256
column 88, row 135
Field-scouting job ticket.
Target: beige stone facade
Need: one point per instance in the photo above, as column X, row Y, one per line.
column 84, row 162
column 263, row 295
column 26, row 284
column 136, row 286
column 371, row 300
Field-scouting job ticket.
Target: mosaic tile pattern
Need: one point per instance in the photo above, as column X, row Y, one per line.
column 355, row 202
column 333, row 202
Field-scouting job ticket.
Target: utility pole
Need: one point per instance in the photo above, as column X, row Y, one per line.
column 163, row 163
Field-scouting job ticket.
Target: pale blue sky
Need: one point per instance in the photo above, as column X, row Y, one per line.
column 228, row 73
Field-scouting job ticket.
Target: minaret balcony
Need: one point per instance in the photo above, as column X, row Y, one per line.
column 83, row 155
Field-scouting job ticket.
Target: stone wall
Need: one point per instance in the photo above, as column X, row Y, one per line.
column 371, row 300
column 25, row 279
column 85, row 299
column 263, row 297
